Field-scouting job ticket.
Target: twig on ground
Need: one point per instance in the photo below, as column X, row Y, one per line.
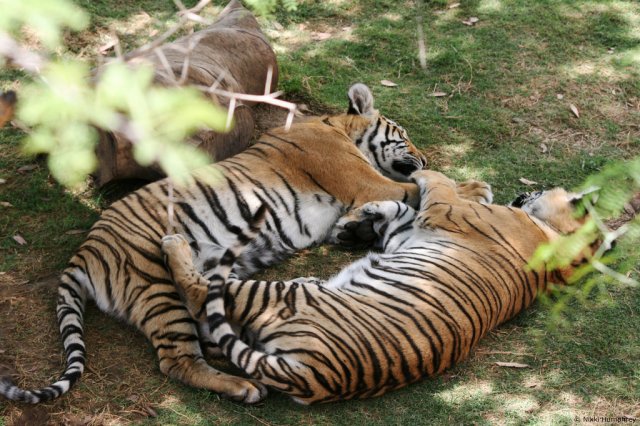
column 480, row 351
column 422, row 48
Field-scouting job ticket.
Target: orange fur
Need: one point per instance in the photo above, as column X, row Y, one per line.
column 7, row 106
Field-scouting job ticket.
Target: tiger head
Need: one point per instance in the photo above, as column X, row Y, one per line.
column 384, row 142
column 555, row 207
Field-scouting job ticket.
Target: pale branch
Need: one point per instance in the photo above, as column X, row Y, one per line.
column 20, row 125
column 165, row 64
column 605, row 270
column 231, row 110
column 193, row 42
column 267, row 84
column 422, row 48
column 185, row 16
column 270, row 99
column 218, row 80
column 20, row 56
column 608, row 236
column 155, row 43
column 607, row 242
column 267, row 99
column 195, row 9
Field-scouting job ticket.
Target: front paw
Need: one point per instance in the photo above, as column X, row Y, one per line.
column 428, row 178
column 474, row 190
column 355, row 229
column 177, row 252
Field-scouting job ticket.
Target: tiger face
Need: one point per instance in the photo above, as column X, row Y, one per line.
column 385, row 143
column 555, row 207
column 390, row 150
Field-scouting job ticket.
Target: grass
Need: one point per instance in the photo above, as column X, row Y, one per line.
column 503, row 78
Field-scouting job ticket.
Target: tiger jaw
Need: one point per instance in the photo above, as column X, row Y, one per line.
column 402, row 169
column 398, row 168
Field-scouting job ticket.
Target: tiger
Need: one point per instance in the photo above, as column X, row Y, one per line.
column 307, row 177
column 448, row 273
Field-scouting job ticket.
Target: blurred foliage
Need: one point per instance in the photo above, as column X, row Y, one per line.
column 46, row 19
column 617, row 183
column 64, row 104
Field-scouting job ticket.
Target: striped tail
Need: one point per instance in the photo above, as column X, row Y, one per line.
column 70, row 310
column 270, row 370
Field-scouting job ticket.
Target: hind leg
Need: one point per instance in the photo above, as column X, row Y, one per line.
column 174, row 335
column 190, row 283
column 191, row 367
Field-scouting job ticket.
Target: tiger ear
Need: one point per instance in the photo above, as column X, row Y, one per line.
column 360, row 100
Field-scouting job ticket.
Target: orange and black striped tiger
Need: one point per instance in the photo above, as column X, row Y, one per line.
column 449, row 272
column 306, row 177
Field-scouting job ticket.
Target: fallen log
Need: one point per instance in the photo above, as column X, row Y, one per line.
column 234, row 52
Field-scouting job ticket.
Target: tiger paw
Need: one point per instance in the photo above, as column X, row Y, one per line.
column 177, row 253
column 355, row 229
column 427, row 178
column 247, row 392
column 474, row 190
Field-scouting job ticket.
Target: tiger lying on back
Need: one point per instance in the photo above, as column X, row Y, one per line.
column 306, row 177
column 449, row 273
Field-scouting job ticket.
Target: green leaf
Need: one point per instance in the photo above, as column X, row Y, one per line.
column 40, row 141
column 179, row 161
column 71, row 168
column 122, row 86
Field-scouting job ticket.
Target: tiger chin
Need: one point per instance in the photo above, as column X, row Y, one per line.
column 449, row 272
